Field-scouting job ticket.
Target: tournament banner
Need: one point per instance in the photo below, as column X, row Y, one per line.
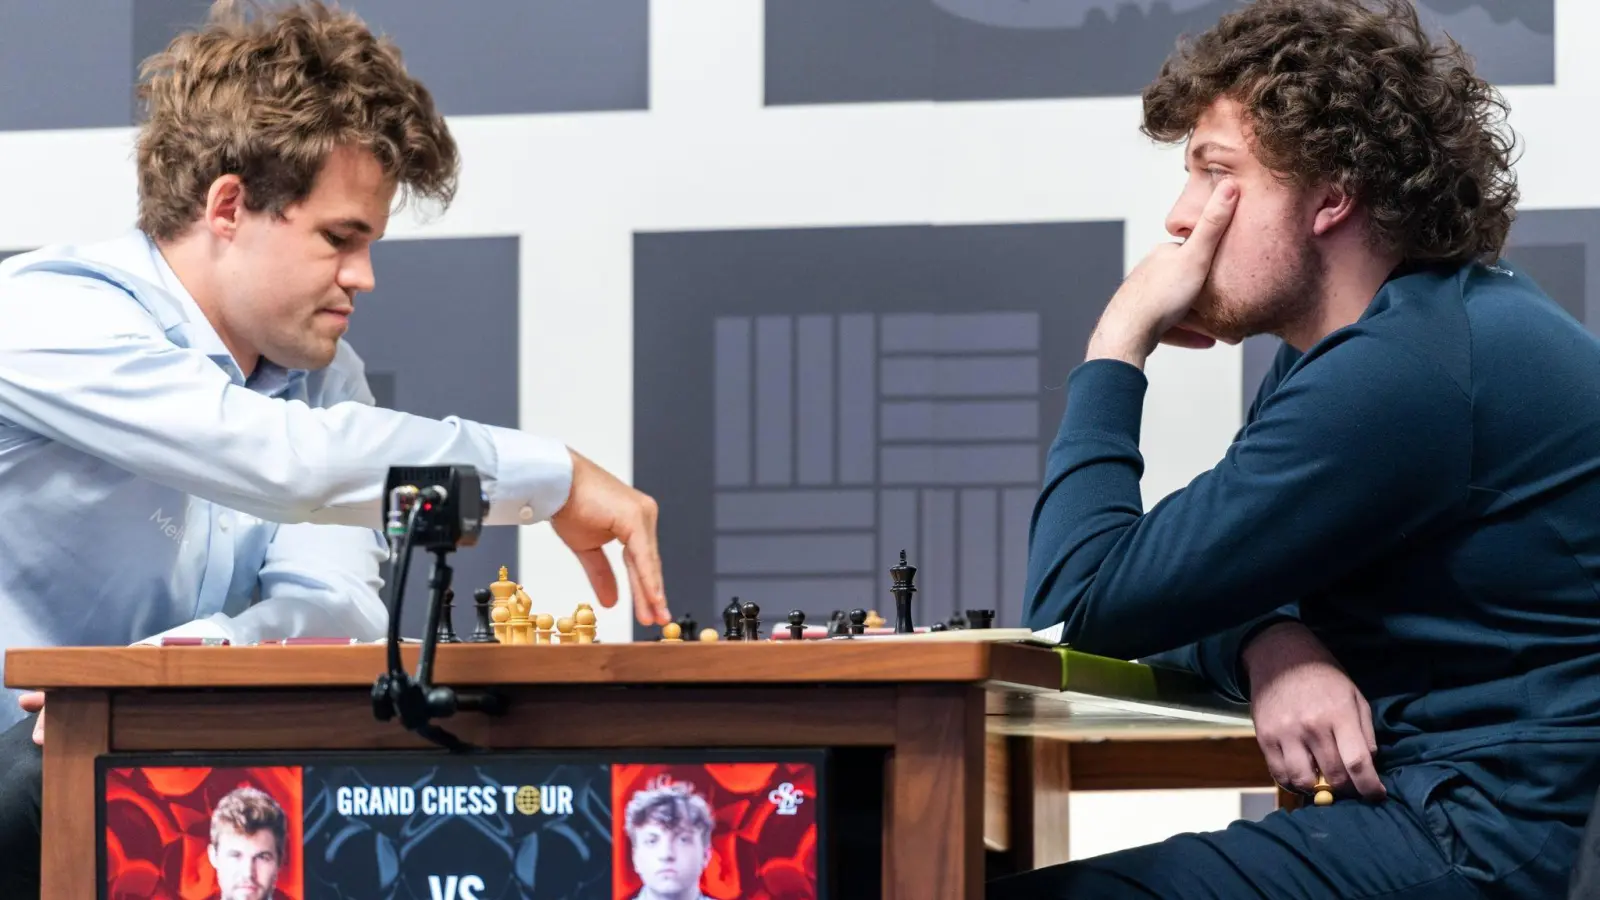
column 464, row 828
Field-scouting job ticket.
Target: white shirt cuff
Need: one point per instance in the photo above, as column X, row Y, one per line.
column 209, row 627
column 533, row 476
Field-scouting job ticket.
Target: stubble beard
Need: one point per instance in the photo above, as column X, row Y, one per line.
column 1288, row 302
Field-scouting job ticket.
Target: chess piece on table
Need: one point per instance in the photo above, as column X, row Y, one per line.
column 1324, row 795
column 519, row 626
column 797, row 624
column 902, row 587
column 687, row 625
column 502, row 591
column 838, row 625
column 938, row 626
column 957, row 622
column 544, row 629
column 446, row 632
column 484, row 632
column 732, row 614
column 873, row 619
column 858, row 621
column 501, row 616
column 583, row 624
column 671, row 633
column 751, row 617
column 708, row 636
column 564, row 631
column 980, row 618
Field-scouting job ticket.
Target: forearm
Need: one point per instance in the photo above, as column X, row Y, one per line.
column 314, row 581
column 121, row 392
column 1089, row 568
column 1218, row 659
column 1344, row 462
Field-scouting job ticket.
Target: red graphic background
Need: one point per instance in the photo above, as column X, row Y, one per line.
column 755, row 853
column 158, row 825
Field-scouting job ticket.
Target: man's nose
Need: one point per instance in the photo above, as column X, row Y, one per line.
column 1180, row 221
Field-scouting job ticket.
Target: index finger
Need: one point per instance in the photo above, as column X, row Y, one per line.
column 644, row 564
column 1214, row 220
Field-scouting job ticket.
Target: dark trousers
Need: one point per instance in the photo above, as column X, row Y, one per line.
column 1445, row 841
column 21, row 792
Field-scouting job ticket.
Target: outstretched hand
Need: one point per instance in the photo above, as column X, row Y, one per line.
column 600, row 509
column 1153, row 305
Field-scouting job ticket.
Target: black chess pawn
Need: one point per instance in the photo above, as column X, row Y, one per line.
column 957, row 623
column 858, row 621
column 446, row 631
column 484, row 632
column 838, row 624
column 731, row 616
column 980, row 618
column 752, row 622
column 903, row 588
column 686, row 626
column 797, row 624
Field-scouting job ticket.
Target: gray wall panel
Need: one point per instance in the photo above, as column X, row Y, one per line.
column 937, row 331
column 439, row 335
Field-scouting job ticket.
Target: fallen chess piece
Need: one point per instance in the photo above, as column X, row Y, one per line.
column 1324, row 795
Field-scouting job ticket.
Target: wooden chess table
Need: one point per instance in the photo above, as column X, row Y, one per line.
column 929, row 719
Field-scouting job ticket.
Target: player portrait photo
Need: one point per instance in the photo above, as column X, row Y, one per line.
column 249, row 834
column 714, row 831
column 203, row 833
column 668, row 827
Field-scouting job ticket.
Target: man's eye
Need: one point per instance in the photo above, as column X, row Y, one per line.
column 335, row 240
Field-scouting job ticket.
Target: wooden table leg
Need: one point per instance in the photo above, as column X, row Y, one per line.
column 1041, row 782
column 934, row 796
column 77, row 729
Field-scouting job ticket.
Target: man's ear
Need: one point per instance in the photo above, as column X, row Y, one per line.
column 225, row 206
column 1335, row 204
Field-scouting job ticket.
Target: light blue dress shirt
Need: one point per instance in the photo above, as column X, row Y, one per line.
column 147, row 488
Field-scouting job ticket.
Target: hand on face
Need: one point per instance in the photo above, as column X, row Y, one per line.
column 1154, row 303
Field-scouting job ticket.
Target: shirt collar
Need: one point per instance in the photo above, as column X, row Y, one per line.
column 268, row 378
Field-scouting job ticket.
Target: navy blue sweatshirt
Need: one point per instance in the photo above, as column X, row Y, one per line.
column 1421, row 488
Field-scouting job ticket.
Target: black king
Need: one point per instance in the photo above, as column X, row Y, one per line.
column 903, row 589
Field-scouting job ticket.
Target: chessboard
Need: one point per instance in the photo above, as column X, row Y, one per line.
column 505, row 616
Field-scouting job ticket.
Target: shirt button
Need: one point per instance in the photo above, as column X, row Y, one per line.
column 224, row 523
column 525, row 514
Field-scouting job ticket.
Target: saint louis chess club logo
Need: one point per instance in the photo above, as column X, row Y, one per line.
column 787, row 798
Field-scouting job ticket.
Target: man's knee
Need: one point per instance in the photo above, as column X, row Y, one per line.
column 21, row 791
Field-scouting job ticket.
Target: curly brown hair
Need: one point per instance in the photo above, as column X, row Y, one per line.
column 268, row 97
column 1356, row 94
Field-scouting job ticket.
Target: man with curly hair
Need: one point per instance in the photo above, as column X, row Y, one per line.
column 1396, row 561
